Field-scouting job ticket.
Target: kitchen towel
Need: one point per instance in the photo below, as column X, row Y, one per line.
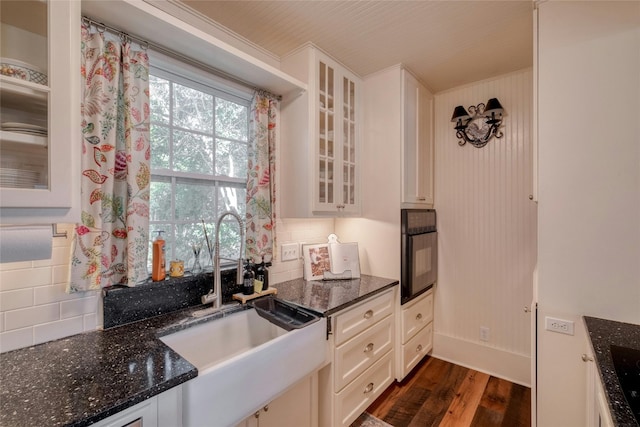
column 25, row 243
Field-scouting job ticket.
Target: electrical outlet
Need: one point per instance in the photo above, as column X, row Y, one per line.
column 289, row 252
column 484, row 333
column 558, row 325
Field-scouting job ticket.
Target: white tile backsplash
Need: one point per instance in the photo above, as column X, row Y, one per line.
column 59, row 329
column 31, row 316
column 18, row 338
column 90, row 321
column 78, row 307
column 53, row 293
column 34, row 305
column 24, row 278
column 12, row 300
column 308, row 230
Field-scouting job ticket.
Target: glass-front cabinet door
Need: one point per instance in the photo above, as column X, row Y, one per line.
column 349, row 140
column 337, row 139
column 39, row 104
column 326, row 125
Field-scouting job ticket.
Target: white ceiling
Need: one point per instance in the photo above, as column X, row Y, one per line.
column 446, row 43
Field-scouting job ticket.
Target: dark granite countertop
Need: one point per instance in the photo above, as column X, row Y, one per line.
column 327, row 297
column 79, row 380
column 604, row 333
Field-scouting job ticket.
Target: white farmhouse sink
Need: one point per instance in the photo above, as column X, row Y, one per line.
column 244, row 361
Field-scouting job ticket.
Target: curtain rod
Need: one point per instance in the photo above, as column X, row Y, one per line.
column 145, row 44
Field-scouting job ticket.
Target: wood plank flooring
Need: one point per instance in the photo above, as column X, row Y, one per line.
column 439, row 393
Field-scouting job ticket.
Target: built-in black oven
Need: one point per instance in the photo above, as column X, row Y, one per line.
column 419, row 252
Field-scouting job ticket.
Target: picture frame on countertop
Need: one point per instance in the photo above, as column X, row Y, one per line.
column 316, row 261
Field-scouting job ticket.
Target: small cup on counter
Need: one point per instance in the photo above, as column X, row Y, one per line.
column 176, row 268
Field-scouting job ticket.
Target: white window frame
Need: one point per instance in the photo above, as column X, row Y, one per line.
column 182, row 73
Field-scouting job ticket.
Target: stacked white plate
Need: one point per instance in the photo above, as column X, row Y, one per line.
column 25, row 128
column 18, row 178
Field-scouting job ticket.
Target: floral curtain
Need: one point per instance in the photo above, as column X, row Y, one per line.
column 261, row 188
column 111, row 243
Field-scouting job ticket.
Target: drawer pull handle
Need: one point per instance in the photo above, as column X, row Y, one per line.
column 368, row 314
column 368, row 348
column 419, row 348
column 368, row 388
column 419, row 316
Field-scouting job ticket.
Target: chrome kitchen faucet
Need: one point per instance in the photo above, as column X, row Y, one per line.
column 216, row 291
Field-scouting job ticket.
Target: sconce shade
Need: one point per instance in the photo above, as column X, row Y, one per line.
column 479, row 128
column 459, row 114
column 493, row 106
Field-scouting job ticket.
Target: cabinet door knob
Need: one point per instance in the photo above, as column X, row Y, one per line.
column 530, row 196
column 586, row 358
column 527, row 309
column 419, row 348
column 368, row 348
column 419, row 316
column 266, row 408
column 368, row 314
column 368, row 388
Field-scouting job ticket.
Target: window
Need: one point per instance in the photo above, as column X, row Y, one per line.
column 199, row 143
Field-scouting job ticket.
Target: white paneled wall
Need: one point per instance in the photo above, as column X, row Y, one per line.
column 34, row 306
column 487, row 232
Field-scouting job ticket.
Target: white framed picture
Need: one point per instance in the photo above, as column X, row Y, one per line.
column 316, row 261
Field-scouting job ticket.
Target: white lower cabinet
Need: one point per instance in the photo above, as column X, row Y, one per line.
column 163, row 410
column 362, row 356
column 598, row 414
column 297, row 407
column 415, row 333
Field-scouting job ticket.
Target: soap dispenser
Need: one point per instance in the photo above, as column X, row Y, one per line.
column 247, row 279
column 262, row 275
column 158, row 272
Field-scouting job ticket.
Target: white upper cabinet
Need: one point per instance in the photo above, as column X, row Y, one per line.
column 320, row 135
column 417, row 143
column 40, row 110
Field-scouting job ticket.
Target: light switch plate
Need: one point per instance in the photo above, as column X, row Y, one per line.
column 289, row 252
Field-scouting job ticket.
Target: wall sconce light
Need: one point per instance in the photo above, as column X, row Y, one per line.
column 467, row 128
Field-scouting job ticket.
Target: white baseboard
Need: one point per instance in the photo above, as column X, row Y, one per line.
column 493, row 361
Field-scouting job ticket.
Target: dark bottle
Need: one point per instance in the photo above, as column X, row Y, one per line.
column 262, row 275
column 247, row 279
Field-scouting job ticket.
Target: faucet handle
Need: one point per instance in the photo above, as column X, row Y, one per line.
column 209, row 298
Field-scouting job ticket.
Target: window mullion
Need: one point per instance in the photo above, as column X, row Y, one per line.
column 173, row 217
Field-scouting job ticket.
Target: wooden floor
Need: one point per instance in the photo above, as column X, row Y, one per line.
column 438, row 393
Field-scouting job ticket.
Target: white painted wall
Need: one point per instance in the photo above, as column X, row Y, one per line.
column 486, row 233
column 589, row 187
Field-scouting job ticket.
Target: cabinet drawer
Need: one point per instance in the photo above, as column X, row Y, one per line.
column 416, row 349
column 356, row 355
column 416, row 316
column 357, row 319
column 357, row 396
